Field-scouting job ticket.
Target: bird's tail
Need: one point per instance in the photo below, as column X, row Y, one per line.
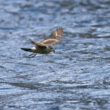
column 27, row 49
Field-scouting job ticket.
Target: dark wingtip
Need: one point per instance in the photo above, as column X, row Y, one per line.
column 22, row 48
column 33, row 42
column 26, row 49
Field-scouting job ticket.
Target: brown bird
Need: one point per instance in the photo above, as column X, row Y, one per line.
column 46, row 46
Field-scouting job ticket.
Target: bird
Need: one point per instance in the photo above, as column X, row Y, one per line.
column 47, row 45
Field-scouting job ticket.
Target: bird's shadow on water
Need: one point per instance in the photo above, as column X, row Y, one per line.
column 43, row 57
column 30, row 56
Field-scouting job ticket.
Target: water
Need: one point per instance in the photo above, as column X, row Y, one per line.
column 76, row 77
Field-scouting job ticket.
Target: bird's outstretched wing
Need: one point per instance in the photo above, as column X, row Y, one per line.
column 38, row 45
column 54, row 37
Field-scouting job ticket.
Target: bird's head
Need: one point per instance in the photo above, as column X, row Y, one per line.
column 51, row 48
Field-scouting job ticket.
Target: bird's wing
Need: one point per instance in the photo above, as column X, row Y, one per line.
column 38, row 45
column 54, row 37
column 50, row 41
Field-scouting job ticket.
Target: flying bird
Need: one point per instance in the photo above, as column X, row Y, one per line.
column 46, row 46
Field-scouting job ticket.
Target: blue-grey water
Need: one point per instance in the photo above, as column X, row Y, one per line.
column 76, row 76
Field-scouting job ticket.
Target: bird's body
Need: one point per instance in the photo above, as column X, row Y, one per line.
column 39, row 50
column 46, row 46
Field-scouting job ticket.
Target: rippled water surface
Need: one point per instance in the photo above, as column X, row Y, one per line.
column 76, row 76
